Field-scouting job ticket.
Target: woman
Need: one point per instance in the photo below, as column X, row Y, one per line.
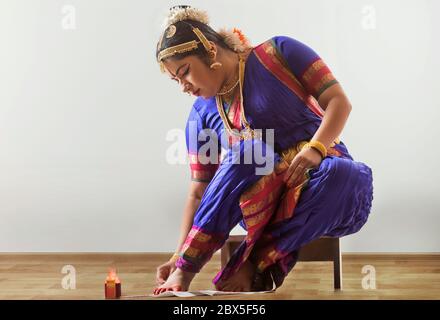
column 314, row 189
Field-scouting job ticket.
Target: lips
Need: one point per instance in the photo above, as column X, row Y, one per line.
column 197, row 93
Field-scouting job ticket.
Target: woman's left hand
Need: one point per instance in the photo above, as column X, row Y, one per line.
column 306, row 159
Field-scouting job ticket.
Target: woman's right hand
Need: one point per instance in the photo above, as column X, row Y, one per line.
column 164, row 271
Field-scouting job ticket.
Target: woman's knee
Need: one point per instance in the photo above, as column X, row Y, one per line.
column 250, row 155
column 336, row 168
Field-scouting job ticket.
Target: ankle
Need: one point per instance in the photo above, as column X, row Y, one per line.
column 185, row 274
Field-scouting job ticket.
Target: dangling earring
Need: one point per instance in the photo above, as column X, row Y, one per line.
column 216, row 65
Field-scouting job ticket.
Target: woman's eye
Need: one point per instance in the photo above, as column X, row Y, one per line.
column 186, row 72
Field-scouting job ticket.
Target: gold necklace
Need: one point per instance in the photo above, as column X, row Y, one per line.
column 222, row 93
column 247, row 132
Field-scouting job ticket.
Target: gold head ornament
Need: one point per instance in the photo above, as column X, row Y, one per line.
column 181, row 13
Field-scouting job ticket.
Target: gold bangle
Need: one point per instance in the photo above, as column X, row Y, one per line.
column 318, row 146
column 175, row 257
column 301, row 145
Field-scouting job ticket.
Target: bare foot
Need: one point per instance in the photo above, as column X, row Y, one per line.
column 241, row 280
column 179, row 280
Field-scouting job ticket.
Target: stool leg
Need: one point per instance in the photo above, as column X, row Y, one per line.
column 337, row 266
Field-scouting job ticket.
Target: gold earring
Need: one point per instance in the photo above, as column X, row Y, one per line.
column 216, row 65
column 211, row 54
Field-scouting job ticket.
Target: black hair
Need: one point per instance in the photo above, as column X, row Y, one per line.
column 184, row 33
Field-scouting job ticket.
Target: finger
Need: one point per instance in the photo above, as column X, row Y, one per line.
column 177, row 288
column 232, row 288
column 288, row 174
column 160, row 281
column 163, row 276
column 295, row 182
column 289, row 171
column 226, row 287
column 160, row 274
column 297, row 168
column 236, row 289
column 292, row 168
column 302, row 177
column 298, row 171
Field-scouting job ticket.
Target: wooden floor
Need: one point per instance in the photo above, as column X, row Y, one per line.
column 39, row 276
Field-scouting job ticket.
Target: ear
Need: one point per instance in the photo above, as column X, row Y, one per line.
column 214, row 50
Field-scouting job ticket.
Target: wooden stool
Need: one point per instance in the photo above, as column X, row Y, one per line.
column 323, row 249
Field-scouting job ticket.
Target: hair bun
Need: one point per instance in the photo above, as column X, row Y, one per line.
column 235, row 39
column 184, row 12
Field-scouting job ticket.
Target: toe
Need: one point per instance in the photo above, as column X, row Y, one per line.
column 224, row 288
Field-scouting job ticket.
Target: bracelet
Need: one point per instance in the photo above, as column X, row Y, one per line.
column 315, row 144
column 175, row 257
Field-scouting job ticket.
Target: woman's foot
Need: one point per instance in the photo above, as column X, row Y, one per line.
column 241, row 280
column 179, row 280
column 262, row 282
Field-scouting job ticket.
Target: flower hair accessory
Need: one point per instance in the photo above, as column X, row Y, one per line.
column 179, row 13
column 235, row 39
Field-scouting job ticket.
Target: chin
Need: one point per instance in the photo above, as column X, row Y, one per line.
column 208, row 95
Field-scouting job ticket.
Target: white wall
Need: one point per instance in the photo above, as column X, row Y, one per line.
column 84, row 116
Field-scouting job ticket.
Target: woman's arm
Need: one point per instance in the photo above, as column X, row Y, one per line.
column 337, row 109
column 318, row 80
column 196, row 190
column 195, row 194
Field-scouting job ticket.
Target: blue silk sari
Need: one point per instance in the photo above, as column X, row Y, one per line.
column 282, row 82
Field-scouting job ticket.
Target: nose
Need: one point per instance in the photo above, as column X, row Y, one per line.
column 185, row 87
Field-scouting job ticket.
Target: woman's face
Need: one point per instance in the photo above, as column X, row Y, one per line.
column 194, row 76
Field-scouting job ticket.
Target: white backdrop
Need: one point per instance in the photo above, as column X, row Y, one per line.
column 85, row 112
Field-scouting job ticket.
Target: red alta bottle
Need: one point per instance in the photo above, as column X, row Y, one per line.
column 112, row 285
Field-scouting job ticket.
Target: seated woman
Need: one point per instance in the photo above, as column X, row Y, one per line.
column 280, row 98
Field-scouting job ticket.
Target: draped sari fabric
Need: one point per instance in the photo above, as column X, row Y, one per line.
column 283, row 80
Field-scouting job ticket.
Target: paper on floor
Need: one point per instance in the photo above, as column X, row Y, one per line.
column 185, row 294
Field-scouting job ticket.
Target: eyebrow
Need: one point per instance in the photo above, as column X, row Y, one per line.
column 178, row 69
